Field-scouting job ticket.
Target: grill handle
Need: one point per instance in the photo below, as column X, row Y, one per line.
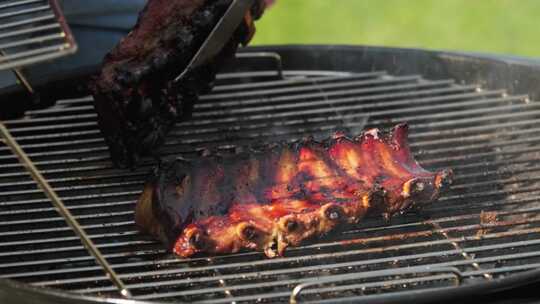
column 294, row 299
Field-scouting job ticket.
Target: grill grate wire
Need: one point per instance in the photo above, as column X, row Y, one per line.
column 487, row 227
column 32, row 31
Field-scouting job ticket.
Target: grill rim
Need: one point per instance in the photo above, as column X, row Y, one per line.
column 15, row 292
column 470, row 69
column 428, row 62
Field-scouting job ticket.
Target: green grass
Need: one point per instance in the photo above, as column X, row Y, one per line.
column 495, row 26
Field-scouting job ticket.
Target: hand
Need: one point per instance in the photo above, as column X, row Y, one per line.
column 261, row 6
column 254, row 14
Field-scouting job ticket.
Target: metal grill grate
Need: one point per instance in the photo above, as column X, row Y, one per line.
column 32, row 31
column 486, row 228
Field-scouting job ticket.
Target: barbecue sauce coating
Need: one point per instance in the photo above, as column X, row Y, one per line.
column 288, row 193
column 134, row 95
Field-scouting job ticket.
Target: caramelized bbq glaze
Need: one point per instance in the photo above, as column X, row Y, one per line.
column 269, row 200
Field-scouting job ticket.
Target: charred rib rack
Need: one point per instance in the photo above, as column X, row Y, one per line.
column 269, row 200
column 136, row 101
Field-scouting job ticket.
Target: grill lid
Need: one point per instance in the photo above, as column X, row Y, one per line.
column 485, row 230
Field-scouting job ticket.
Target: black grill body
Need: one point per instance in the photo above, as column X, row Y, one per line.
column 475, row 113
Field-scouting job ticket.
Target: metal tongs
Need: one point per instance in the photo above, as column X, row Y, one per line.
column 219, row 36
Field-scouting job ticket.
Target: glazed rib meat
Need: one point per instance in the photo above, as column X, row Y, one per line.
column 272, row 199
column 135, row 98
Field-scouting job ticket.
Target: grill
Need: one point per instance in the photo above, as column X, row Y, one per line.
column 32, row 31
column 485, row 230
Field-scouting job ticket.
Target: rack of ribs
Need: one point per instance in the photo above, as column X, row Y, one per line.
column 135, row 96
column 270, row 199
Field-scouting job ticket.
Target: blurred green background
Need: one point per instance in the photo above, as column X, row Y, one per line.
column 494, row 26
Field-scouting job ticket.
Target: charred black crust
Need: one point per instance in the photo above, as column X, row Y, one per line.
column 250, row 233
column 167, row 173
column 292, row 225
column 141, row 105
column 334, row 213
column 198, row 241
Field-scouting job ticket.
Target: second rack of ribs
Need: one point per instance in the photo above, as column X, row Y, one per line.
column 272, row 199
